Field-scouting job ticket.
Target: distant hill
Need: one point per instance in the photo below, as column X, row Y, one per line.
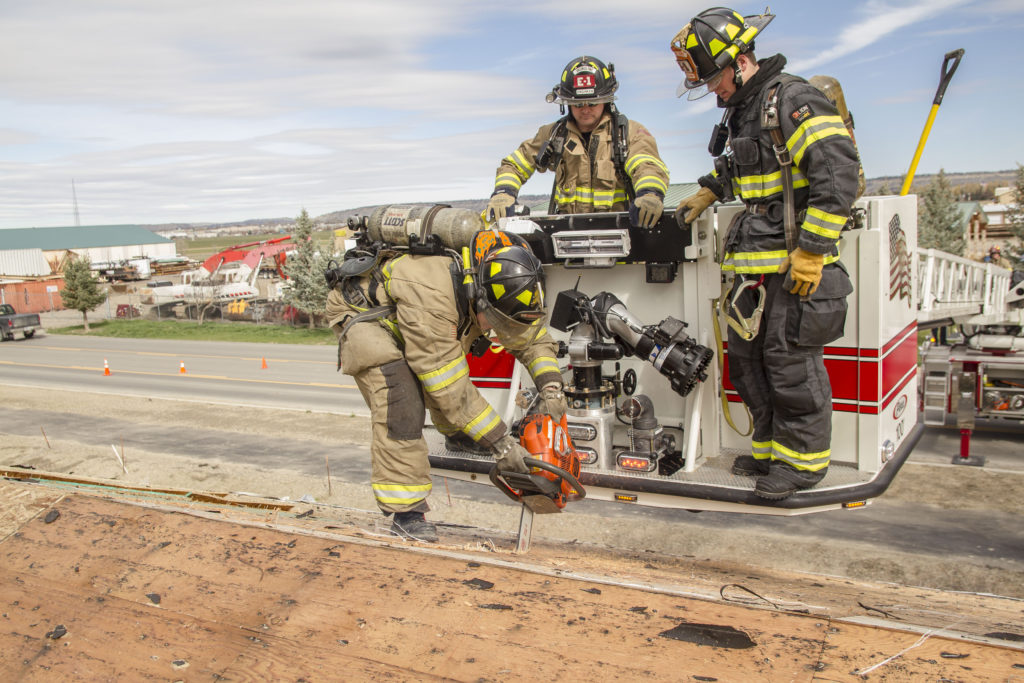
column 969, row 185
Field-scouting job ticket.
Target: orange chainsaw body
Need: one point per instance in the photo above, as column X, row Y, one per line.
column 549, row 442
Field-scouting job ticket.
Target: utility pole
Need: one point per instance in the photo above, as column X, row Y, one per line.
column 74, row 198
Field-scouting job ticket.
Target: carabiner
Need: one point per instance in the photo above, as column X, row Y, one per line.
column 746, row 327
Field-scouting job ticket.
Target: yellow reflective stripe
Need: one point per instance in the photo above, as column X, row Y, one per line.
column 541, row 365
column 812, row 130
column 482, row 423
column 508, row 180
column 517, row 159
column 761, row 186
column 823, row 223
column 811, row 462
column 586, row 195
column 760, row 450
column 650, row 182
column 437, row 380
column 754, row 261
column 400, row 494
column 637, row 159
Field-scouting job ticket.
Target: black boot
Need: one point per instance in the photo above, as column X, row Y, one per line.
column 783, row 480
column 460, row 442
column 749, row 466
column 415, row 526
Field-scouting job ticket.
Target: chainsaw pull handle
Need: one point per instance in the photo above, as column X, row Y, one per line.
column 947, row 73
column 495, row 476
column 558, row 472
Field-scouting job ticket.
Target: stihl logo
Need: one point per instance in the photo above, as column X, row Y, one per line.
column 583, row 81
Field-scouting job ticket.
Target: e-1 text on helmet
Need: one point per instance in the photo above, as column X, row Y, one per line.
column 509, row 286
column 585, row 80
column 711, row 42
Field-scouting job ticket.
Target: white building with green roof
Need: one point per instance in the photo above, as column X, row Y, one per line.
column 37, row 249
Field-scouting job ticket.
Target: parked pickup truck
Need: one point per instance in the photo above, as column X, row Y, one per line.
column 11, row 322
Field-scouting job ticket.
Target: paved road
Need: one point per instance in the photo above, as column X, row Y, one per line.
column 304, row 377
column 296, row 376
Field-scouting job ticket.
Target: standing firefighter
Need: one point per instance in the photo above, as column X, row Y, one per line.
column 405, row 323
column 602, row 160
column 793, row 164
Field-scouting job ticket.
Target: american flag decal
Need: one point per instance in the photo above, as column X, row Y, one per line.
column 899, row 261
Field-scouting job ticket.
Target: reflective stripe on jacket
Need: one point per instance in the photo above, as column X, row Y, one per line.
column 585, row 178
column 825, row 175
column 427, row 317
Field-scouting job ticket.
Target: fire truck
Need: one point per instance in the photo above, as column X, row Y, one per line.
column 652, row 414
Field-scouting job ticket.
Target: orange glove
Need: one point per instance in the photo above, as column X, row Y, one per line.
column 694, row 205
column 805, row 269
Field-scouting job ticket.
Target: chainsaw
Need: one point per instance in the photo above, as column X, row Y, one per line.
column 553, row 479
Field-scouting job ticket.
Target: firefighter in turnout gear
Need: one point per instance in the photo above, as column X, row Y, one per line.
column 602, row 160
column 790, row 159
column 405, row 323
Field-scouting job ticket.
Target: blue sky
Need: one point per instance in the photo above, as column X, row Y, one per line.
column 223, row 110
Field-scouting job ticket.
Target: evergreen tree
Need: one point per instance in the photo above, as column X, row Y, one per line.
column 884, row 189
column 1015, row 212
column 307, row 289
column 81, row 288
column 941, row 225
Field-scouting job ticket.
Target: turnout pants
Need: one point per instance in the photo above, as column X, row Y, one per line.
column 401, row 469
column 780, row 373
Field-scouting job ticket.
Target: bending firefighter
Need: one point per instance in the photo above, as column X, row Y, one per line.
column 602, row 160
column 794, row 166
column 405, row 323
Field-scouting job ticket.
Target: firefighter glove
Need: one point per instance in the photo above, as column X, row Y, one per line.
column 693, row 206
column 649, row 209
column 552, row 401
column 508, row 454
column 498, row 206
column 805, row 269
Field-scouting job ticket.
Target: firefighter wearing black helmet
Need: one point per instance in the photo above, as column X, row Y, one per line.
column 602, row 160
column 405, row 325
column 777, row 130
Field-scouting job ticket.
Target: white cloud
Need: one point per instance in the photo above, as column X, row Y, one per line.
column 881, row 20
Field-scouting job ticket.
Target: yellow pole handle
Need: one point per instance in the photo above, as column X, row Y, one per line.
column 920, row 148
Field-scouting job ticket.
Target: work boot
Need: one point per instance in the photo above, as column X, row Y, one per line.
column 460, row 442
column 415, row 526
column 749, row 466
column 783, row 480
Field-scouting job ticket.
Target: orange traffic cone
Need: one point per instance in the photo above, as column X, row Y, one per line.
column 106, row 368
column 182, row 371
column 264, row 366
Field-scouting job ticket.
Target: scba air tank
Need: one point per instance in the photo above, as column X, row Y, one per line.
column 394, row 224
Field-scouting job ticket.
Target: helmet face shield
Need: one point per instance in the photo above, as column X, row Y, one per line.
column 711, row 42
column 513, row 334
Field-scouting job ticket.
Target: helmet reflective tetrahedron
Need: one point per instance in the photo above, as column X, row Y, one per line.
column 712, row 41
column 509, row 285
column 585, row 80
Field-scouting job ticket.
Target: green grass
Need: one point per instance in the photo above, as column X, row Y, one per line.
column 202, row 248
column 209, row 331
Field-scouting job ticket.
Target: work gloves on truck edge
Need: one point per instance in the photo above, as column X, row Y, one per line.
column 498, row 207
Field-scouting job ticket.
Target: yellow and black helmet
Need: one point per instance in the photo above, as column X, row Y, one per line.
column 585, row 80
column 712, row 41
column 509, row 286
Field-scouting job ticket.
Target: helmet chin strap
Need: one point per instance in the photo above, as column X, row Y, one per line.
column 737, row 74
